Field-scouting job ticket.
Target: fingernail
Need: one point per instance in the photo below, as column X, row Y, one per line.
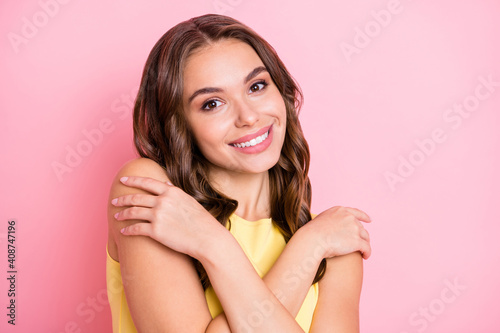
column 114, row 201
column 116, row 215
column 169, row 183
column 123, row 230
column 123, row 179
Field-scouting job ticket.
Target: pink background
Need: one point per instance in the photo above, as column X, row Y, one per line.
column 77, row 69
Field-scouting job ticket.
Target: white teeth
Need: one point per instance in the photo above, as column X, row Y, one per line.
column 252, row 142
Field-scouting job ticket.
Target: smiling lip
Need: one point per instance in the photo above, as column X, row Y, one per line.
column 259, row 147
column 251, row 136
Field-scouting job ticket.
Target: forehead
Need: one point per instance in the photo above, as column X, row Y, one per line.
column 220, row 64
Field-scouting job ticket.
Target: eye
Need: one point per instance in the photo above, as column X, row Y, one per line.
column 258, row 86
column 211, row 104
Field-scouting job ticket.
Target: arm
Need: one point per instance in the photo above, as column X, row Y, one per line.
column 255, row 311
column 338, row 235
column 338, row 304
column 333, row 234
column 157, row 277
column 290, row 277
column 163, row 233
column 161, row 285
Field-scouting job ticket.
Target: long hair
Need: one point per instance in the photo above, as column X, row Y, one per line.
column 162, row 134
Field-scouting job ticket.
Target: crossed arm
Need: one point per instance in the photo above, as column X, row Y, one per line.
column 163, row 290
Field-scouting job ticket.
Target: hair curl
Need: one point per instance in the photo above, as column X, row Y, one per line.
column 162, row 134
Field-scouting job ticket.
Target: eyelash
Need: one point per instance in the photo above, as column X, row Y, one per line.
column 262, row 82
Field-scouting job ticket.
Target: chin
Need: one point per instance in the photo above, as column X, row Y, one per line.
column 268, row 165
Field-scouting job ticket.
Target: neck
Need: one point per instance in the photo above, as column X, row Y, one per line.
column 250, row 190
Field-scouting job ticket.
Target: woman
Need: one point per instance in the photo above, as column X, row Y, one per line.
column 211, row 230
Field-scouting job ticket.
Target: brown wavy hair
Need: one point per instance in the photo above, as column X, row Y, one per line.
column 162, row 133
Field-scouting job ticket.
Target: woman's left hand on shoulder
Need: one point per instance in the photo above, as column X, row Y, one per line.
column 339, row 231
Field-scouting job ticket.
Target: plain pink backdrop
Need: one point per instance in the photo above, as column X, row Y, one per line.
column 382, row 80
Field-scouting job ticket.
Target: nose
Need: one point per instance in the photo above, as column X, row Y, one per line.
column 246, row 114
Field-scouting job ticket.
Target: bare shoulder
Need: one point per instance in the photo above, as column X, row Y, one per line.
column 143, row 167
column 139, row 167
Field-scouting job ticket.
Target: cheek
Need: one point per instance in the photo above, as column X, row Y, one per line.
column 282, row 116
column 208, row 136
column 279, row 105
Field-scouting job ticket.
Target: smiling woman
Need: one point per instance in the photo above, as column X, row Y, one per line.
column 211, row 230
column 244, row 105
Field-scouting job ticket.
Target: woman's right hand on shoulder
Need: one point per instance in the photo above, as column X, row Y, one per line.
column 339, row 230
column 167, row 214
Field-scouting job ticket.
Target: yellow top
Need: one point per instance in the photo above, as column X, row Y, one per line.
column 261, row 241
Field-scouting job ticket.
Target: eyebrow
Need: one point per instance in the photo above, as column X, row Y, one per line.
column 256, row 71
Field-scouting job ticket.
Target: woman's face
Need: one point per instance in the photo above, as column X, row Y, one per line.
column 235, row 111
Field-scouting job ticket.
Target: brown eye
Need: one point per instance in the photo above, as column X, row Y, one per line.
column 211, row 104
column 258, row 86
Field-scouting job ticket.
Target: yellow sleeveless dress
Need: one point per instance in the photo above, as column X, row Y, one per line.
column 261, row 241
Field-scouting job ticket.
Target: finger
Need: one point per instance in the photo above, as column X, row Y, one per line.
column 134, row 213
column 138, row 199
column 138, row 229
column 364, row 234
column 366, row 250
column 148, row 184
column 359, row 214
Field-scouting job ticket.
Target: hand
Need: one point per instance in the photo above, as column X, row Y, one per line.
column 170, row 215
column 338, row 231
